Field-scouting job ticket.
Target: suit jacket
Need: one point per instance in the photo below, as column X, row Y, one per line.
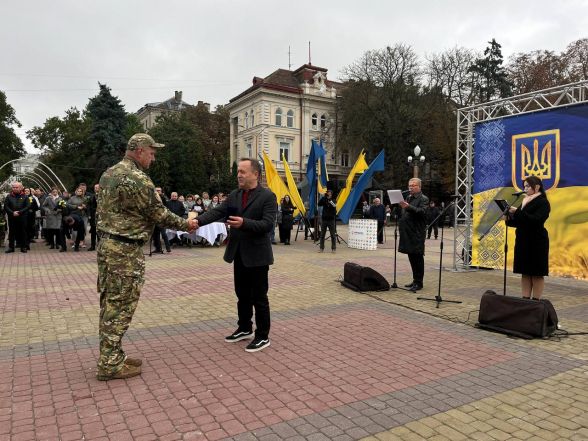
column 413, row 225
column 252, row 240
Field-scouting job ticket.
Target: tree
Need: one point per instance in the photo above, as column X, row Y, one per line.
column 180, row 165
column 492, row 79
column 449, row 71
column 576, row 60
column 108, row 131
column 64, row 147
column 11, row 146
column 383, row 106
column 536, row 70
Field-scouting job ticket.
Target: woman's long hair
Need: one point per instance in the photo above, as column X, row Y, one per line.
column 534, row 180
column 286, row 202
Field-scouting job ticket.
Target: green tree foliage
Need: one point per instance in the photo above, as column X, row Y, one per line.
column 11, row 146
column 492, row 81
column 108, row 131
column 196, row 157
column 180, row 165
column 81, row 145
column 64, row 147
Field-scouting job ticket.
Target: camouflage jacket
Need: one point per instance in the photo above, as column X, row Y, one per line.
column 128, row 204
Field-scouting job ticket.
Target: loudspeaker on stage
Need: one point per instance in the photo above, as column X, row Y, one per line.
column 525, row 318
column 363, row 278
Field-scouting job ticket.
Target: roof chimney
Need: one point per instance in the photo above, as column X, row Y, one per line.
column 178, row 95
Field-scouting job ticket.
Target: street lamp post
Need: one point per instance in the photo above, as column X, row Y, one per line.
column 415, row 161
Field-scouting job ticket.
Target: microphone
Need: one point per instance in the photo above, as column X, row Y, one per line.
column 519, row 193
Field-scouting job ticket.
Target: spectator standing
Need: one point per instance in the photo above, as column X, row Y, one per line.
column 432, row 221
column 16, row 206
column 378, row 212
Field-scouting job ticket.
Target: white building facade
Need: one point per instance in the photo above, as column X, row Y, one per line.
column 281, row 114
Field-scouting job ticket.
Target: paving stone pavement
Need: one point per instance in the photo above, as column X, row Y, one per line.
column 342, row 365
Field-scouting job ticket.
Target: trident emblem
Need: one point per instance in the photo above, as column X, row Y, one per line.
column 536, row 154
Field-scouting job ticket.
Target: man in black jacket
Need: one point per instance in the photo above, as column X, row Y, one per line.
column 412, row 226
column 17, row 206
column 250, row 212
column 92, row 206
column 328, row 220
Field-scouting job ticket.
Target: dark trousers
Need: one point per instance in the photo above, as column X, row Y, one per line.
column 431, row 228
column 332, row 231
column 92, row 222
column 251, row 286
column 17, row 232
column 159, row 233
column 53, row 237
column 380, row 231
column 417, row 263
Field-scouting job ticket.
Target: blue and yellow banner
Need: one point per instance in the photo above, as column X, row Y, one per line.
column 552, row 145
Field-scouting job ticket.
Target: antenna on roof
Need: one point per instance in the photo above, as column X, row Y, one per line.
column 289, row 59
column 309, row 62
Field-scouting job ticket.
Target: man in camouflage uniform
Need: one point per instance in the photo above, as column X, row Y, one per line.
column 128, row 209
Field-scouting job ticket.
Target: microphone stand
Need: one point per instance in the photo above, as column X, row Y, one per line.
column 503, row 213
column 438, row 297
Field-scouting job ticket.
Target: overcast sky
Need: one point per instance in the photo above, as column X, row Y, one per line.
column 55, row 52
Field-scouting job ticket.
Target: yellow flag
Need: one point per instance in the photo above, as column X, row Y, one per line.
column 321, row 190
column 274, row 182
column 359, row 167
column 294, row 195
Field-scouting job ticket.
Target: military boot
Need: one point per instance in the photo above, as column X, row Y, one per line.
column 133, row 361
column 127, row 371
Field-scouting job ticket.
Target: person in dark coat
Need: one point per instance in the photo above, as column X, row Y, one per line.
column 287, row 209
column 328, row 220
column 378, row 212
column 432, row 221
column 250, row 211
column 92, row 206
column 412, row 226
column 16, row 206
column 531, row 252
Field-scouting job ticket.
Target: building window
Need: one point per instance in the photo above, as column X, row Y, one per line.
column 285, row 150
column 290, row 118
column 278, row 116
column 248, row 151
column 246, row 120
column 314, row 121
column 252, row 119
column 345, row 159
column 323, row 121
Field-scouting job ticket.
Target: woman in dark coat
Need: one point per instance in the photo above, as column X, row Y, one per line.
column 287, row 219
column 531, row 252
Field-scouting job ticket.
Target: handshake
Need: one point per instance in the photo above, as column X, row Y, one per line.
column 192, row 225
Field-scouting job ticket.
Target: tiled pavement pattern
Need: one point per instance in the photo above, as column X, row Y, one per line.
column 342, row 365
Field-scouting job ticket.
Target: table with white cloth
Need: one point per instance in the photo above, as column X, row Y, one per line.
column 208, row 234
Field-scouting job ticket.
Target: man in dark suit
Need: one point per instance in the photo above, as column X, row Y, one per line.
column 250, row 212
column 378, row 212
column 413, row 226
column 16, row 207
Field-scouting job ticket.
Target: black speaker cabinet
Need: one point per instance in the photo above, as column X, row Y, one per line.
column 363, row 278
column 525, row 318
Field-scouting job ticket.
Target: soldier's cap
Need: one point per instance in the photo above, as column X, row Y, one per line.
column 142, row 140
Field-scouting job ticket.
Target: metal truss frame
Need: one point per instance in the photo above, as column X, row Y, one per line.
column 467, row 118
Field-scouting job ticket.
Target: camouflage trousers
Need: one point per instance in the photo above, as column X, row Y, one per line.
column 121, row 274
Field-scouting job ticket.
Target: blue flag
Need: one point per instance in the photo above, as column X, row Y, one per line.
column 353, row 198
column 316, row 152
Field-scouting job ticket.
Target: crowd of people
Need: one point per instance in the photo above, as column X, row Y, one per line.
column 59, row 217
